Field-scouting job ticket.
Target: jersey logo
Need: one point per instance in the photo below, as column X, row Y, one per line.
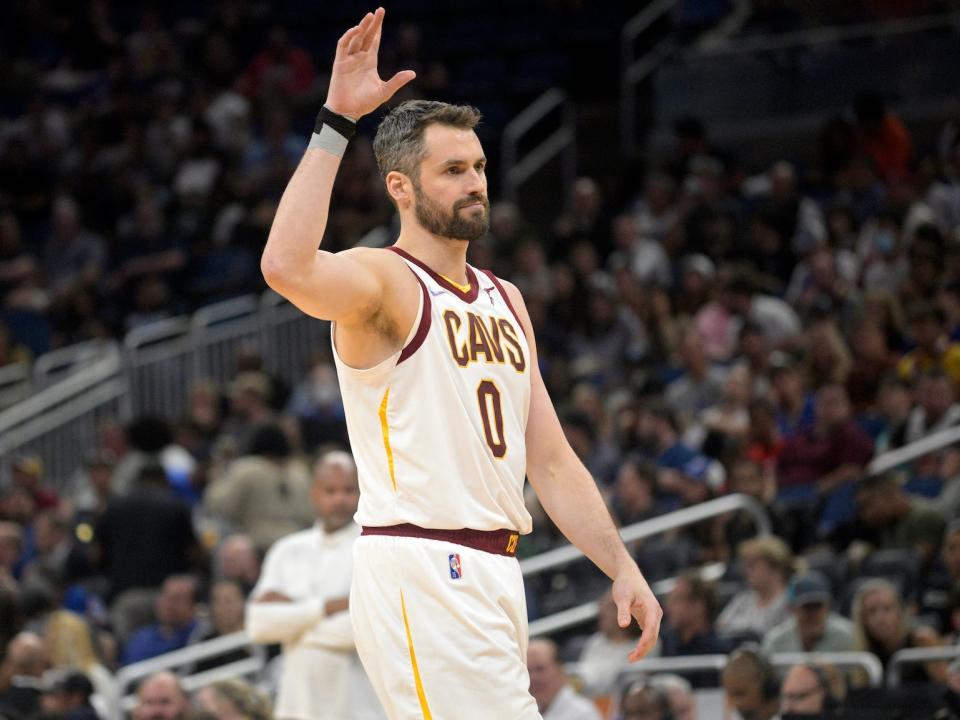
column 455, row 570
column 438, row 292
column 490, row 294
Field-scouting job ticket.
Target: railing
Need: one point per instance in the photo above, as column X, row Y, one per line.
column 14, row 383
column 59, row 424
column 691, row 663
column 588, row 611
column 152, row 374
column 915, row 656
column 57, row 364
column 190, row 655
column 634, row 70
column 561, row 142
column 655, row 526
column 918, row 448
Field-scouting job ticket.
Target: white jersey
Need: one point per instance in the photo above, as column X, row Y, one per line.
column 438, row 429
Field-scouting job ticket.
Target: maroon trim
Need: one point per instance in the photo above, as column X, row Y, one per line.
column 498, row 542
column 506, row 297
column 426, row 318
column 467, row 297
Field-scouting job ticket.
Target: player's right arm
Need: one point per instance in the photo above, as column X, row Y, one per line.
column 345, row 287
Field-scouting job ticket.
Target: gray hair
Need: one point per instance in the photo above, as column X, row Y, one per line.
column 399, row 145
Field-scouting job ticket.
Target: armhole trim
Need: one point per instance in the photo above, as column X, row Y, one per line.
column 423, row 324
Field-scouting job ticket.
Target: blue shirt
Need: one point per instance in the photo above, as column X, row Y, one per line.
column 152, row 640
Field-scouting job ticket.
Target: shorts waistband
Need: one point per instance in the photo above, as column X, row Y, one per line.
column 497, row 542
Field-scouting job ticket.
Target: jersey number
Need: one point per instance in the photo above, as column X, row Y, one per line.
column 491, row 413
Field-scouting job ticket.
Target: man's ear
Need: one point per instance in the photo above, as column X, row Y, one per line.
column 399, row 188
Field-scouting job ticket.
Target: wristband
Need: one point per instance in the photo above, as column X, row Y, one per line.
column 332, row 132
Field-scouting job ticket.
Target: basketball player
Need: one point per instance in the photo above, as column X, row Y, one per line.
column 445, row 407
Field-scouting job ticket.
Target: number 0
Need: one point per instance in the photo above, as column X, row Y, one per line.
column 488, row 395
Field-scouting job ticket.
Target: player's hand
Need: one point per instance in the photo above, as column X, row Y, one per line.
column 337, row 605
column 355, row 85
column 274, row 596
column 634, row 599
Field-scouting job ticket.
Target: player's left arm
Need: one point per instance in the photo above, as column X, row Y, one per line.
column 570, row 496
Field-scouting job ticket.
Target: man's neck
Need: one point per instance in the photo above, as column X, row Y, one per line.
column 442, row 255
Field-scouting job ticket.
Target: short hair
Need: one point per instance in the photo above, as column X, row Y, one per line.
column 702, row 591
column 771, row 549
column 398, row 144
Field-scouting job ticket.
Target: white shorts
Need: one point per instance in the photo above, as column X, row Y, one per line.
column 441, row 629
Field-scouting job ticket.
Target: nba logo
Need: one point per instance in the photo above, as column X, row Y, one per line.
column 455, row 571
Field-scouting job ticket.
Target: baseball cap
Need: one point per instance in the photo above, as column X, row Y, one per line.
column 809, row 588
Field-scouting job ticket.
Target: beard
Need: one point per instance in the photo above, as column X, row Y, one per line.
column 454, row 225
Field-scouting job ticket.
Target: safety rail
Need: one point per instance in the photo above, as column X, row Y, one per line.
column 580, row 614
column 634, row 70
column 152, row 372
column 14, row 383
column 190, row 655
column 918, row 448
column 655, row 526
column 57, row 364
column 826, row 35
column 915, row 656
column 561, row 142
column 868, row 662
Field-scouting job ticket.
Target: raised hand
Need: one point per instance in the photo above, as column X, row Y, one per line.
column 355, row 85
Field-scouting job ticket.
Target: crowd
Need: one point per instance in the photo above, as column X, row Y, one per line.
column 721, row 329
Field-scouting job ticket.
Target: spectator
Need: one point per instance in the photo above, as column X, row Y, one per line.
column 750, row 685
column 883, row 136
column 263, row 495
column 281, row 70
column 811, row 691
column 691, row 610
column 227, row 599
column 605, row 652
column 71, row 646
column 936, row 407
column 27, row 473
column 767, row 566
column 881, row 627
column 176, row 626
column 142, row 538
column 237, row 559
column 556, row 700
column 890, row 519
column 934, row 350
column 24, row 664
column 644, row 701
column 634, row 491
column 161, row 697
column 812, row 627
column 234, row 698
column 700, row 385
column 794, row 405
column 68, row 696
column 301, row 601
column 683, row 704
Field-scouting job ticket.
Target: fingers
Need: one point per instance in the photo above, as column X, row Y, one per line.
column 353, row 39
column 398, row 81
column 623, row 613
column 371, row 38
column 651, row 630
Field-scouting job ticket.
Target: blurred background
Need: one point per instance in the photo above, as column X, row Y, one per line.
column 736, row 224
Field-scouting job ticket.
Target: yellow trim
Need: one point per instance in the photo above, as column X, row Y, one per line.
column 385, row 431
column 424, row 708
column 458, row 286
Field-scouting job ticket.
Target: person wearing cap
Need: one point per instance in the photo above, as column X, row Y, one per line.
column 812, row 626
column 67, row 695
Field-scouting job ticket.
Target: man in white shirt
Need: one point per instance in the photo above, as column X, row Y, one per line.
column 556, row 700
column 301, row 601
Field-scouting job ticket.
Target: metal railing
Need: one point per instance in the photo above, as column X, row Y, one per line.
column 189, row 656
column 152, row 373
column 868, row 662
column 58, row 364
column 916, row 656
column 655, row 526
column 588, row 611
column 561, row 142
column 918, row 448
column 14, row 383
column 634, row 70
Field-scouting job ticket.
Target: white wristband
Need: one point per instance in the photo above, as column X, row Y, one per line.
column 330, row 140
